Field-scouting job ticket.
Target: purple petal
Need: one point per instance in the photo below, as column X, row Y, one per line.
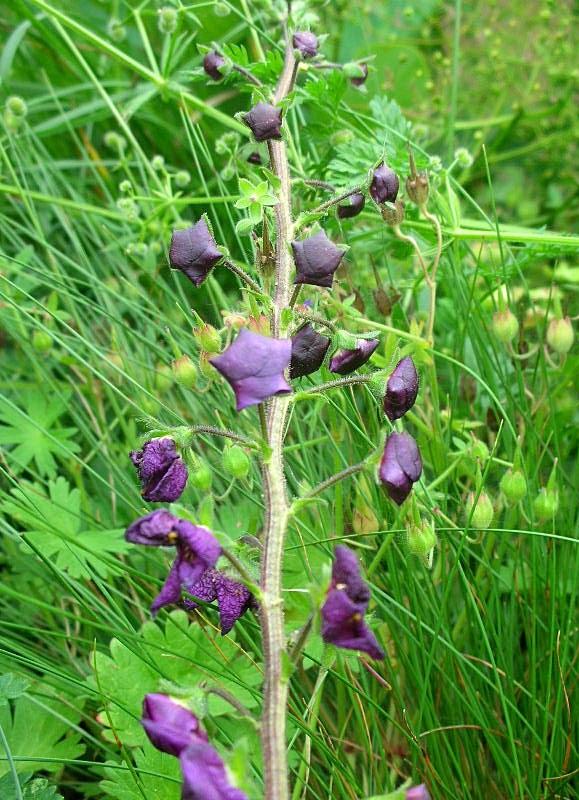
column 401, row 389
column 352, row 206
column 417, row 793
column 203, row 590
column 198, row 551
column 316, row 259
column 156, row 529
column 306, row 42
column 205, row 776
column 254, row 366
column 264, row 121
column 385, row 185
column 401, row 466
column 194, row 251
column 343, row 625
column 234, row 600
column 212, row 64
column 170, row 726
column 162, row 472
column 170, row 593
column 347, row 361
column 346, row 574
column 309, row 349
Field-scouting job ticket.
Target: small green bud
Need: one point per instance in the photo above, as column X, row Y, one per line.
column 42, row 341
column 163, row 378
column 17, row 106
column 421, row 539
column 513, row 486
column 158, row 163
column 116, row 30
column 167, row 19
column 208, row 338
column 560, row 335
column 182, row 178
column 482, row 513
column 546, row 503
column 353, row 70
column 12, row 122
column 435, row 163
column 221, row 9
column 505, row 325
column 114, row 141
column 125, row 187
column 479, row 450
column 185, row 372
column 463, row 157
column 201, row 476
column 235, row 461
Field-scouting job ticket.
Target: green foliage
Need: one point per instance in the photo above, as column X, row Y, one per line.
column 32, row 788
column 156, row 776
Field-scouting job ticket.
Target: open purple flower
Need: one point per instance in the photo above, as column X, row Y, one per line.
column 194, row 251
column 162, row 472
column 254, row 366
column 197, row 550
column 170, row 726
column 346, row 603
column 306, row 42
column 346, row 361
column 212, row 64
column 233, row 598
column 205, row 775
column 316, row 258
column 401, row 389
column 264, row 121
column 309, row 349
column 417, row 793
column 385, row 185
column 401, row 466
column 351, row 206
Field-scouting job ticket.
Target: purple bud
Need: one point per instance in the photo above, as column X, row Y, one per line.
column 254, row 367
column 170, row 726
column 306, row 42
column 385, row 185
column 212, row 64
column 417, row 793
column 401, row 466
column 346, row 361
column 264, row 121
column 205, row 776
column 361, row 79
column 162, row 472
column 316, row 258
column 233, row 598
column 401, row 389
column 351, row 206
column 194, row 251
column 308, row 351
column 254, row 158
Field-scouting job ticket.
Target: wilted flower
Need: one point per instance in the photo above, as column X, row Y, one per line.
column 401, row 389
column 351, row 206
column 173, row 729
column 417, row 793
column 254, row 366
column 308, row 351
column 197, row 550
column 346, row 603
column 401, row 466
column 346, row 361
column 385, row 185
column 212, row 64
column 306, row 42
column 162, row 472
column 233, row 598
column 316, row 258
column 194, row 251
column 264, row 121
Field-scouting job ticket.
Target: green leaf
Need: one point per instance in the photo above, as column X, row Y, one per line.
column 11, row 687
column 159, row 776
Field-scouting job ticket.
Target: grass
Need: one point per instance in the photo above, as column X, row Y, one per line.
column 477, row 697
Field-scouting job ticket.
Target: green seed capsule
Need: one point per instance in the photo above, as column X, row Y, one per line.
column 235, row 461
column 208, row 338
column 560, row 335
column 185, row 372
column 421, row 539
column 201, row 476
column 42, row 341
column 505, row 326
column 513, row 486
column 546, row 503
column 163, row 378
column 483, row 513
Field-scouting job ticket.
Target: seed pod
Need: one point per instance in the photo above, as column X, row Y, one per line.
column 306, row 42
column 385, row 185
column 513, row 486
column 351, row 206
column 235, row 461
column 309, row 349
column 185, row 372
column 213, row 64
column 482, row 513
column 264, row 121
column 42, row 341
column 163, row 378
column 316, row 259
column 546, row 503
column 208, row 338
column 400, row 467
column 560, row 335
column 401, row 389
column 201, row 476
column 505, row 325
column 194, row 251
column 421, row 538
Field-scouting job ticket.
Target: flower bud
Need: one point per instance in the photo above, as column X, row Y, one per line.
column 254, row 158
column 316, row 259
column 214, row 64
column 546, row 503
column 351, row 206
column 208, row 338
column 264, row 121
column 417, row 793
column 463, row 157
column 513, row 486
column 116, row 30
column 221, row 9
column 115, row 141
column 200, row 475
column 385, row 185
column 309, row 349
column 17, row 106
column 194, row 251
column 421, row 539
column 357, row 73
column 346, row 361
column 401, row 389
column 505, row 325
column 482, row 514
column 182, row 178
column 167, row 19
column 163, row 378
column 42, row 341
column 306, row 42
column 400, row 467
column 158, row 163
column 185, row 372
column 235, row 461
column 479, row 449
column 560, row 335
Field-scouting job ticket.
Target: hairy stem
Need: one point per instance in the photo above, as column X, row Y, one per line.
column 339, row 476
column 243, row 276
column 226, row 434
column 275, row 692
column 338, row 384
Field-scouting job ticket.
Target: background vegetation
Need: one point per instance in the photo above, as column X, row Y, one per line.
column 120, row 141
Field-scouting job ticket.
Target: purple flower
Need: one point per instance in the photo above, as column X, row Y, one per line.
column 401, row 466
column 205, row 776
column 162, row 472
column 385, row 185
column 316, row 258
column 306, row 42
column 347, row 361
column 194, row 251
column 264, row 121
column 361, row 79
column 197, row 550
column 233, row 598
column 351, row 206
column 346, row 603
column 170, row 726
column 308, row 351
column 254, row 366
column 401, row 389
column 417, row 793
column 212, row 64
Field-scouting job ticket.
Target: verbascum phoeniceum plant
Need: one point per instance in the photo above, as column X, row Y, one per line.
column 291, row 338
